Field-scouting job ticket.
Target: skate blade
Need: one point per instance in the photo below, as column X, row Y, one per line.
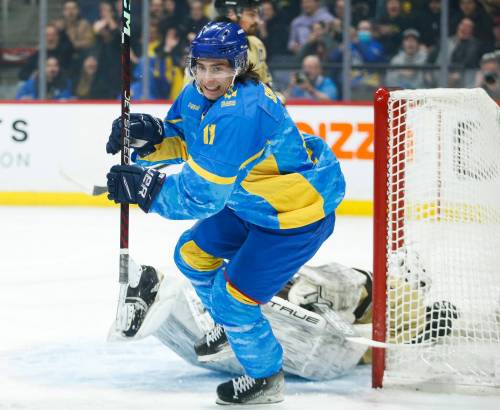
column 217, row 357
column 275, row 398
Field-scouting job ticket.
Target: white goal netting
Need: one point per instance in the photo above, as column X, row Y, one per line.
column 443, row 242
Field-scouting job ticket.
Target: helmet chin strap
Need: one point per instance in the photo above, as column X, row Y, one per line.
column 234, row 78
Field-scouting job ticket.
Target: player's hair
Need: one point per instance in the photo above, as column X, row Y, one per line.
column 250, row 74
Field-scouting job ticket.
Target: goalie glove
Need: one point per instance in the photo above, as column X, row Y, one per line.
column 138, row 300
column 146, row 131
column 343, row 289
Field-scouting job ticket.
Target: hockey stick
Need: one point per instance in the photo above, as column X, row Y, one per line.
column 83, row 186
column 328, row 316
column 125, row 158
column 93, row 189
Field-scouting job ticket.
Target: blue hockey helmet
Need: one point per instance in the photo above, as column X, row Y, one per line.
column 221, row 40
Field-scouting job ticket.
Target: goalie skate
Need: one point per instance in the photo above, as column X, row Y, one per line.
column 139, row 308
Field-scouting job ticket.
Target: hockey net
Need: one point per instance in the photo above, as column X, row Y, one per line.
column 437, row 238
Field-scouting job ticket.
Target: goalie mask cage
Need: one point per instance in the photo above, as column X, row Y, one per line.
column 437, row 238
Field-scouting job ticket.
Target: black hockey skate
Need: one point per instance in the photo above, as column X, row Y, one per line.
column 247, row 390
column 140, row 298
column 213, row 346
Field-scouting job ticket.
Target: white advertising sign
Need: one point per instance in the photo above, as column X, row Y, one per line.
column 41, row 141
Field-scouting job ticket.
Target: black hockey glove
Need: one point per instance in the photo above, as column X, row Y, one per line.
column 134, row 185
column 145, row 132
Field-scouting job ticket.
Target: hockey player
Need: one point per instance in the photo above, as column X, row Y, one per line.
column 246, row 14
column 264, row 195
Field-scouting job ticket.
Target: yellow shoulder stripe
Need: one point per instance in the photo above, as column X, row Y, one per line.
column 240, row 297
column 174, row 121
column 216, row 179
column 169, row 148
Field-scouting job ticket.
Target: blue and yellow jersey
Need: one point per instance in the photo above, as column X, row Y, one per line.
column 243, row 151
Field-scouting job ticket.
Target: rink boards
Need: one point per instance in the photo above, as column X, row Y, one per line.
column 42, row 143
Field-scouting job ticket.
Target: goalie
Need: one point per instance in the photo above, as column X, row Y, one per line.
column 312, row 317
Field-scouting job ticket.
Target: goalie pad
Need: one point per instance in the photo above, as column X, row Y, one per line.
column 314, row 341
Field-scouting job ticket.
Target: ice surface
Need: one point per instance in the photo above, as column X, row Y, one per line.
column 58, row 283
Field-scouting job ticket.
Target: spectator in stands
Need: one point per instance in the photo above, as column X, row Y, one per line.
column 488, row 76
column 166, row 69
column 301, row 26
column 391, row 26
column 428, row 23
column 108, row 21
column 77, row 29
column 320, row 42
column 483, row 23
column 360, row 9
column 196, row 19
column 310, row 83
column 156, row 11
column 88, row 86
column 172, row 16
column 58, row 85
column 464, row 46
column 154, row 38
column 338, row 23
column 463, row 55
column 288, row 9
column 496, row 33
column 273, row 30
column 62, row 51
column 108, row 39
column 411, row 54
column 365, row 48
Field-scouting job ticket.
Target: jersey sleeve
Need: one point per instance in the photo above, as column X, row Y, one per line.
column 206, row 181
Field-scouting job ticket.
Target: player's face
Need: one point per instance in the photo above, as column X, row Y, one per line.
column 214, row 77
column 249, row 20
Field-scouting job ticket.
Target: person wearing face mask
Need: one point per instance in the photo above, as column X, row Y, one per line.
column 264, row 195
column 365, row 49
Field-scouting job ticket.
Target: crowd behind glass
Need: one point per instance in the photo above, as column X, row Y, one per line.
column 393, row 43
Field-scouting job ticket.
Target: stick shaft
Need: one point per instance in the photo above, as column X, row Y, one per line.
column 125, row 135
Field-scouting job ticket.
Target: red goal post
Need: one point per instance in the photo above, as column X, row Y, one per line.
column 436, row 292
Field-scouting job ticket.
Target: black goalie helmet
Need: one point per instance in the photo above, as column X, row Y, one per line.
column 223, row 6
